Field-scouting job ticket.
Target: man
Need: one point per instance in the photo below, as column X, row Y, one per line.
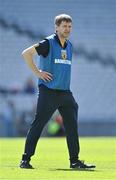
column 54, row 90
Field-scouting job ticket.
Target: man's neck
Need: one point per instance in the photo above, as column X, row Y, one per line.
column 62, row 40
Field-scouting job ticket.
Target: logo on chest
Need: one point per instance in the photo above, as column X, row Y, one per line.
column 63, row 59
column 64, row 54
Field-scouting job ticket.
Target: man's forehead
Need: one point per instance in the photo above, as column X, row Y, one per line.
column 65, row 22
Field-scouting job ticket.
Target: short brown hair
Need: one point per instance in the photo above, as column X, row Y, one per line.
column 62, row 17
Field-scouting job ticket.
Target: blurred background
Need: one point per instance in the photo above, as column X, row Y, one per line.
column 23, row 23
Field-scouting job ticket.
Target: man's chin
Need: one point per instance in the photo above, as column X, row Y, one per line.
column 66, row 36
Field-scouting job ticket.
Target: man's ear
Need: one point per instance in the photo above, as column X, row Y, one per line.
column 56, row 28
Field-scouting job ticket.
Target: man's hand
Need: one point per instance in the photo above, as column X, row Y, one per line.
column 46, row 76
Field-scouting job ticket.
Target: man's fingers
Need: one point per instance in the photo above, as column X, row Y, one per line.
column 43, row 79
column 46, row 76
column 49, row 74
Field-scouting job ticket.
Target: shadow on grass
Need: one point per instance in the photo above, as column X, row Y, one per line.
column 62, row 169
column 50, row 169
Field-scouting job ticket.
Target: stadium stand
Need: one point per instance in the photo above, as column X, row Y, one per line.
column 94, row 65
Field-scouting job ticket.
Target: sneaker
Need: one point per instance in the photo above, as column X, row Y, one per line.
column 25, row 165
column 81, row 165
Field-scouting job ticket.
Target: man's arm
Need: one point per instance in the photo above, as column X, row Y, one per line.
column 28, row 57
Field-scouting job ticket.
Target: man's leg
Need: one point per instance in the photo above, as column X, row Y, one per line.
column 69, row 112
column 45, row 109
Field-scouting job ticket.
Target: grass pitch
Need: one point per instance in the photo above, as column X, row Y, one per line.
column 51, row 159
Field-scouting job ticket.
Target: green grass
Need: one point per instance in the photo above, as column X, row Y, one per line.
column 51, row 159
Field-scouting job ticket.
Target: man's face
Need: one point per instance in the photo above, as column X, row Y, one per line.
column 64, row 29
